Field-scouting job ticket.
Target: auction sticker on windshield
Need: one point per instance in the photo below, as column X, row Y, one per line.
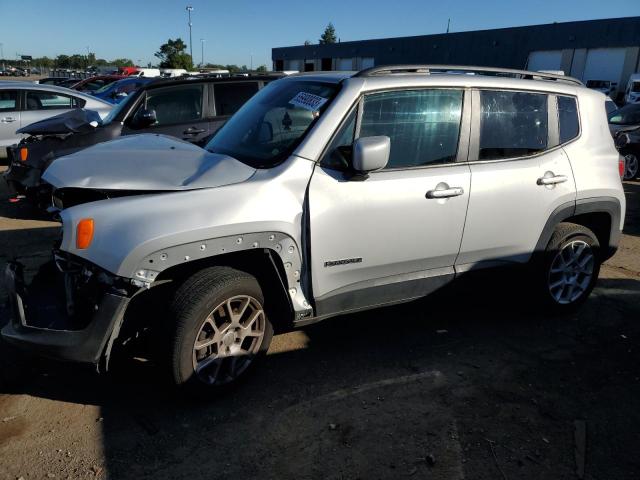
column 308, row 101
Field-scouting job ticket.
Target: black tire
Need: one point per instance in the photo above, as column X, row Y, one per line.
column 567, row 237
column 194, row 301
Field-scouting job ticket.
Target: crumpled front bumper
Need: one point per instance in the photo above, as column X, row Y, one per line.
column 50, row 338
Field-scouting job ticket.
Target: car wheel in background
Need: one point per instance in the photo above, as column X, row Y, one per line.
column 630, row 166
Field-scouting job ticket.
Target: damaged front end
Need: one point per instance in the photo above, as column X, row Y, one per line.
column 71, row 310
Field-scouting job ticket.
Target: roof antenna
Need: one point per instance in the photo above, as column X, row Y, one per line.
column 448, row 24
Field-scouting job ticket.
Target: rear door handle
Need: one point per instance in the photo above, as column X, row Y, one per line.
column 7, row 119
column 552, row 179
column 193, row 131
column 445, row 192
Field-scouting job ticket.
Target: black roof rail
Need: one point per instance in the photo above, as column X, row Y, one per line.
column 491, row 71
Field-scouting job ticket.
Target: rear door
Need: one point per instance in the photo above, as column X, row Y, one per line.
column 228, row 98
column 9, row 116
column 519, row 176
column 180, row 112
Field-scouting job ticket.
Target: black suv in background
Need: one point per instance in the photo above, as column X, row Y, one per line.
column 189, row 108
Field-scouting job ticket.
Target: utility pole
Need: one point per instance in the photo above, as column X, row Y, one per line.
column 87, row 65
column 448, row 25
column 202, row 56
column 189, row 10
column 2, row 54
column 251, row 65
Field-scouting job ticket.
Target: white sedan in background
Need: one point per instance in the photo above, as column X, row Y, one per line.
column 22, row 103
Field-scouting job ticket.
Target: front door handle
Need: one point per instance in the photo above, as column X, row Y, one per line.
column 193, row 131
column 445, row 192
column 7, row 119
column 551, row 179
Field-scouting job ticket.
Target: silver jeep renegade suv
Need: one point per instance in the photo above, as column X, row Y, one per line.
column 324, row 194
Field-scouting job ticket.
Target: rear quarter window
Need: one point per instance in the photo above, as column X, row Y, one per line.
column 568, row 118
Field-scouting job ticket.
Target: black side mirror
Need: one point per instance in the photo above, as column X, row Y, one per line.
column 144, row 118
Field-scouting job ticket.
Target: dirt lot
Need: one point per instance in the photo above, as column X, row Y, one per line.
column 470, row 383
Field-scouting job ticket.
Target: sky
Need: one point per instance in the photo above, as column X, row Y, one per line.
column 244, row 31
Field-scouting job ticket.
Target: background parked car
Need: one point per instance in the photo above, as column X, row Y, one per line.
column 53, row 80
column 95, row 83
column 627, row 120
column 117, row 91
column 607, row 87
column 191, row 109
column 23, row 103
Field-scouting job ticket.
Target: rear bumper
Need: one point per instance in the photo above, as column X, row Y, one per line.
column 50, row 337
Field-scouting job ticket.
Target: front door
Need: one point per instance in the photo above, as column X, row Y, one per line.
column 180, row 112
column 519, row 175
column 391, row 236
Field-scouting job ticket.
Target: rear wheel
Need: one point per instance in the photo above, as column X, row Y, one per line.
column 221, row 329
column 569, row 267
column 630, row 166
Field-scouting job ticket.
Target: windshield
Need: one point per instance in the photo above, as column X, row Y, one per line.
column 597, row 84
column 106, row 87
column 627, row 115
column 272, row 123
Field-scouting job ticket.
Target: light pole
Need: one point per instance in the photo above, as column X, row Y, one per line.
column 251, row 64
column 202, row 55
column 2, row 54
column 87, row 66
column 189, row 10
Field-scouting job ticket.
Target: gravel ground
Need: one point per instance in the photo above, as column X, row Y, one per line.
column 469, row 383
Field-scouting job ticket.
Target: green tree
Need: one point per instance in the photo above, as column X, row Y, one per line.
column 122, row 62
column 62, row 61
column 262, row 69
column 329, row 35
column 307, row 43
column 173, row 55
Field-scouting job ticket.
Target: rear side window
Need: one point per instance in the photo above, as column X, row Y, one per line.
column 231, row 96
column 176, row 104
column 51, row 101
column 568, row 118
column 512, row 124
column 423, row 125
column 8, row 100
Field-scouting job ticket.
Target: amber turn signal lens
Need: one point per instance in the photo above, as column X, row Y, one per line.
column 84, row 233
column 23, row 154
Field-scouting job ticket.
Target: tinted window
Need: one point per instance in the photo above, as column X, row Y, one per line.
column 338, row 154
column 176, row 104
column 423, row 125
column 8, row 100
column 51, row 101
column 512, row 124
column 231, row 96
column 627, row 115
column 568, row 117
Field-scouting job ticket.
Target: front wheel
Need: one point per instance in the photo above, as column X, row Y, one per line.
column 569, row 268
column 220, row 329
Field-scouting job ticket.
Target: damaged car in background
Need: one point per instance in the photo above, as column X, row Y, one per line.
column 324, row 194
column 191, row 109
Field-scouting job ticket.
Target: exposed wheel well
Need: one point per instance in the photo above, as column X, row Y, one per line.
column 598, row 222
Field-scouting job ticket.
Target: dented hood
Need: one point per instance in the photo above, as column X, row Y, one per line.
column 146, row 162
column 77, row 120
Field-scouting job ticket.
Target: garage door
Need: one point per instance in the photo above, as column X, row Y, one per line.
column 545, row 60
column 345, row 64
column 604, row 64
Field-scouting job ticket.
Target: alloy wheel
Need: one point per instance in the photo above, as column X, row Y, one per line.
column 630, row 166
column 228, row 340
column 571, row 272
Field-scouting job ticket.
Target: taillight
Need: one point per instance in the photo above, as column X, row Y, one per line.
column 621, row 166
column 24, row 153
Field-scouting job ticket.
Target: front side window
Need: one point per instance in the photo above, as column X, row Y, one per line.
column 273, row 122
column 8, row 100
column 176, row 104
column 512, row 124
column 568, row 118
column 423, row 125
column 51, row 101
column 231, row 96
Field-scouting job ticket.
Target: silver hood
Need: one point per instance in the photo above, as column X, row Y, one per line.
column 146, row 162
